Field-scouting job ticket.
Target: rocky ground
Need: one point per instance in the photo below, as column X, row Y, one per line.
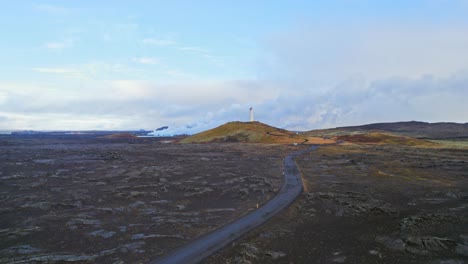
column 369, row 204
column 86, row 200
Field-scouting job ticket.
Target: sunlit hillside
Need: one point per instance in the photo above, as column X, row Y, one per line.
column 252, row 132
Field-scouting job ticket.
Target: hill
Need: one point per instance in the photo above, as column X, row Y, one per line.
column 252, row 132
column 422, row 130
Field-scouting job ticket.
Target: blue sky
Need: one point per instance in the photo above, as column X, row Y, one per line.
column 300, row 64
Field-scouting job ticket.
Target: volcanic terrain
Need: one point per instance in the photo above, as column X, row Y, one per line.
column 370, row 195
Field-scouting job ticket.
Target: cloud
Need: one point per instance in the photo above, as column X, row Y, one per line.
column 64, row 72
column 146, row 60
column 308, row 76
column 247, row 42
column 191, row 107
column 158, row 42
column 386, row 100
column 53, row 9
column 61, row 121
column 203, row 53
column 144, row 104
column 60, row 45
column 193, row 49
column 321, row 55
column 54, row 45
column 54, row 70
column 93, row 70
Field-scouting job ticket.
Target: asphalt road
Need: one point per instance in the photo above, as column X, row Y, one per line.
column 208, row 244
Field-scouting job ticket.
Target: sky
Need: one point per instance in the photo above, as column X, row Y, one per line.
column 194, row 65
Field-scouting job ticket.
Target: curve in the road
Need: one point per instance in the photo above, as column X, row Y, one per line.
column 208, row 244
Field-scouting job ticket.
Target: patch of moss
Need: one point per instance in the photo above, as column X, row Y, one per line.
column 384, row 138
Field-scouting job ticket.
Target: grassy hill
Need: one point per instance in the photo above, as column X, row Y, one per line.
column 252, row 132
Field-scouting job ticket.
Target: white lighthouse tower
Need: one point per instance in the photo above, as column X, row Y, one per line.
column 251, row 117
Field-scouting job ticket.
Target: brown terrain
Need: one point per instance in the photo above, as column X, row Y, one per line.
column 377, row 198
column 119, row 200
column 415, row 129
column 370, row 196
column 121, row 136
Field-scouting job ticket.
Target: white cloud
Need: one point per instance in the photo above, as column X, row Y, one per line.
column 62, row 121
column 3, row 97
column 312, row 77
column 93, row 70
column 329, row 54
column 203, row 53
column 159, row 42
column 55, row 45
column 146, row 60
column 245, row 41
column 195, row 106
column 179, row 74
column 126, row 27
column 140, row 103
column 65, row 72
column 53, row 9
column 193, row 49
column 54, row 70
column 59, row 45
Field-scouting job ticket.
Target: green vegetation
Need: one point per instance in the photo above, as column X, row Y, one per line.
column 384, row 138
column 332, row 132
column 452, row 143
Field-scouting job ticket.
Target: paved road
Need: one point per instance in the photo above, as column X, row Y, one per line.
column 207, row 245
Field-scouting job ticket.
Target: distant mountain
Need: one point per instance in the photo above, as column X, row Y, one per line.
column 422, row 130
column 252, row 132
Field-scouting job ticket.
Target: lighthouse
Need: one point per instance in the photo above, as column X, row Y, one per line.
column 251, row 118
